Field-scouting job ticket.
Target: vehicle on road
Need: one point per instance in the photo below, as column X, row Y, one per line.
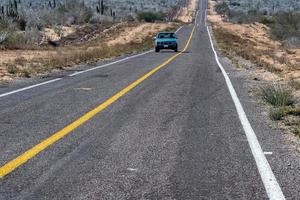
column 166, row 40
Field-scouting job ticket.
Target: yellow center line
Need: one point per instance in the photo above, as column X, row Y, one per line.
column 26, row 156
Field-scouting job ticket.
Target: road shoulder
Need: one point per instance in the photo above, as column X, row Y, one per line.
column 284, row 148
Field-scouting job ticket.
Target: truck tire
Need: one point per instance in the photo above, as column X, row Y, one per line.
column 176, row 49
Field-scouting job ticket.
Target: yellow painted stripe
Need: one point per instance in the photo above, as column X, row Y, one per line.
column 23, row 158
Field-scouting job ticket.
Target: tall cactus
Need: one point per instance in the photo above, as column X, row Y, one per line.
column 2, row 12
column 11, row 9
column 52, row 4
column 100, row 7
column 16, row 7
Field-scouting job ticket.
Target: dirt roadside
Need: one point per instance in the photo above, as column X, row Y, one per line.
column 116, row 40
column 187, row 13
column 86, row 44
column 253, row 42
column 264, row 62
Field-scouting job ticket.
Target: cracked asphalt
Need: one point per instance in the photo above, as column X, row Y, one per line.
column 176, row 135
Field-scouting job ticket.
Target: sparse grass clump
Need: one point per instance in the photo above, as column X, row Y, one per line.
column 295, row 84
column 277, row 95
column 279, row 113
column 284, row 108
column 150, row 16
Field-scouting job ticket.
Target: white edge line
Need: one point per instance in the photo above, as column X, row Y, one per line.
column 205, row 20
column 76, row 73
column 109, row 64
column 179, row 29
column 268, row 178
column 196, row 19
column 268, row 153
column 29, row 87
column 200, row 18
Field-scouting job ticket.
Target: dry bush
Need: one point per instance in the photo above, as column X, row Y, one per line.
column 71, row 57
column 287, row 25
column 277, row 95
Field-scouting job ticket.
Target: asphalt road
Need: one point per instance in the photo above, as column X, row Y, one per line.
column 176, row 135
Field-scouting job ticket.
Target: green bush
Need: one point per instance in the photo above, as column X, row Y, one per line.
column 222, row 8
column 277, row 95
column 286, row 26
column 267, row 20
column 15, row 40
column 237, row 17
column 277, row 114
column 150, row 16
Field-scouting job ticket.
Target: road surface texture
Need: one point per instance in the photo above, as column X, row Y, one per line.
column 176, row 135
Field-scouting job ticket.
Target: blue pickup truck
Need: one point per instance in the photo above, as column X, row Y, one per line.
column 166, row 40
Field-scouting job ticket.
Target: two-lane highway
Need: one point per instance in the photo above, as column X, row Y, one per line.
column 156, row 126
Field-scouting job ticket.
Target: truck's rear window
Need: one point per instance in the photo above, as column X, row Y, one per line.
column 166, row 35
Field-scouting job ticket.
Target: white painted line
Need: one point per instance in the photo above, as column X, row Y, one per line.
column 29, row 87
column 196, row 18
column 268, row 178
column 85, row 89
column 77, row 73
column 179, row 29
column 205, row 17
column 132, row 169
column 109, row 64
column 268, row 153
column 200, row 18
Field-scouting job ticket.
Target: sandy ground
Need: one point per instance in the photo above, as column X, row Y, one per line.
column 139, row 33
column 187, row 14
column 283, row 64
column 286, row 62
column 58, row 33
column 123, row 34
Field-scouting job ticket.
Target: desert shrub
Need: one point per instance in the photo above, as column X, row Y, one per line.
column 150, row 16
column 237, row 16
column 240, row 17
column 222, row 8
column 267, row 20
column 277, row 114
column 21, row 22
column 3, row 36
column 36, row 19
column 277, row 95
column 20, row 40
column 287, row 27
column 65, row 13
column 75, row 10
column 15, row 40
column 292, row 42
column 32, row 36
column 295, row 84
column 86, row 15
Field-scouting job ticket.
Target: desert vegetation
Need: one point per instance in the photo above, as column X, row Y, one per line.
column 282, row 17
column 37, row 36
column 263, row 37
column 283, row 106
column 22, row 22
